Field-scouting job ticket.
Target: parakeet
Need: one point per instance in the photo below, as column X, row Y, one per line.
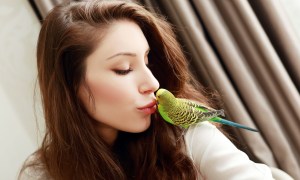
column 184, row 112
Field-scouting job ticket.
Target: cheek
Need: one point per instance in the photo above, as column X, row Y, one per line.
column 109, row 92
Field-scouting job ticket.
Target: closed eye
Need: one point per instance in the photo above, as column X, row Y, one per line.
column 122, row 72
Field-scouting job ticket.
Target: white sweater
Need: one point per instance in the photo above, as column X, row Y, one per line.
column 216, row 157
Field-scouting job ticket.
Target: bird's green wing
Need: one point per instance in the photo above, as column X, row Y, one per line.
column 195, row 104
column 164, row 114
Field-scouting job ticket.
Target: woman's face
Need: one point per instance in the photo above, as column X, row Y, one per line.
column 122, row 85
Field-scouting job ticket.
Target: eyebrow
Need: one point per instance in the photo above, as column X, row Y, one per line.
column 125, row 54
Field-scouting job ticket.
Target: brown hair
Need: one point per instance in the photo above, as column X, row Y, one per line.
column 72, row 149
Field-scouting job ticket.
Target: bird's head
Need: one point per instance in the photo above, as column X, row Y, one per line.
column 164, row 96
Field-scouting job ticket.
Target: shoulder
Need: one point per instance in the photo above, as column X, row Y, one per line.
column 198, row 137
column 216, row 157
column 204, row 137
column 33, row 169
column 200, row 133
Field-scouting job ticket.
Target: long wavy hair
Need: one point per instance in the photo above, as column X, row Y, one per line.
column 72, row 148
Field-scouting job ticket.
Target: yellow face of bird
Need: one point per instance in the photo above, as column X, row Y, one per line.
column 159, row 95
column 163, row 95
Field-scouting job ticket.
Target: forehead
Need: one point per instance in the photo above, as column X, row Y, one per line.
column 122, row 35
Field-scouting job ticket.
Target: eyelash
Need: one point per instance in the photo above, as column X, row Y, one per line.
column 125, row 72
column 122, row 72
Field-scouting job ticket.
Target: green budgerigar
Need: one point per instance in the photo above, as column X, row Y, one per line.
column 184, row 112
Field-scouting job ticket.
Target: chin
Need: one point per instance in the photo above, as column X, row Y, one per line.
column 141, row 127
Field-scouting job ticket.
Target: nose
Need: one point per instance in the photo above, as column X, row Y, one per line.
column 149, row 84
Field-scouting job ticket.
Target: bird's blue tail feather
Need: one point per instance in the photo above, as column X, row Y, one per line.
column 230, row 123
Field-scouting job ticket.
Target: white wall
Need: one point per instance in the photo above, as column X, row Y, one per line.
column 19, row 29
column 292, row 10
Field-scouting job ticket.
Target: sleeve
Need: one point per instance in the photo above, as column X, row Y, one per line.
column 216, row 157
column 33, row 172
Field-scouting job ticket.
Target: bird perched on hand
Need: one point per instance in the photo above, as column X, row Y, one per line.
column 184, row 112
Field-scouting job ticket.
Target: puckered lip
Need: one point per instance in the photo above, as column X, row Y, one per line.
column 149, row 105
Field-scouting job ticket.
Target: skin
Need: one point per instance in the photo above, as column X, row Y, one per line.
column 120, row 81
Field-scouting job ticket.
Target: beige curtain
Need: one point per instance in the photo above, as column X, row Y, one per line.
column 249, row 53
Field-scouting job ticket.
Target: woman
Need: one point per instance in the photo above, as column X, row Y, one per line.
column 99, row 65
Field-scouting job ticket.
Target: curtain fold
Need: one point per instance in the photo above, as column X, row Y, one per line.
column 258, row 50
column 275, row 75
column 281, row 34
column 229, row 49
column 246, row 84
